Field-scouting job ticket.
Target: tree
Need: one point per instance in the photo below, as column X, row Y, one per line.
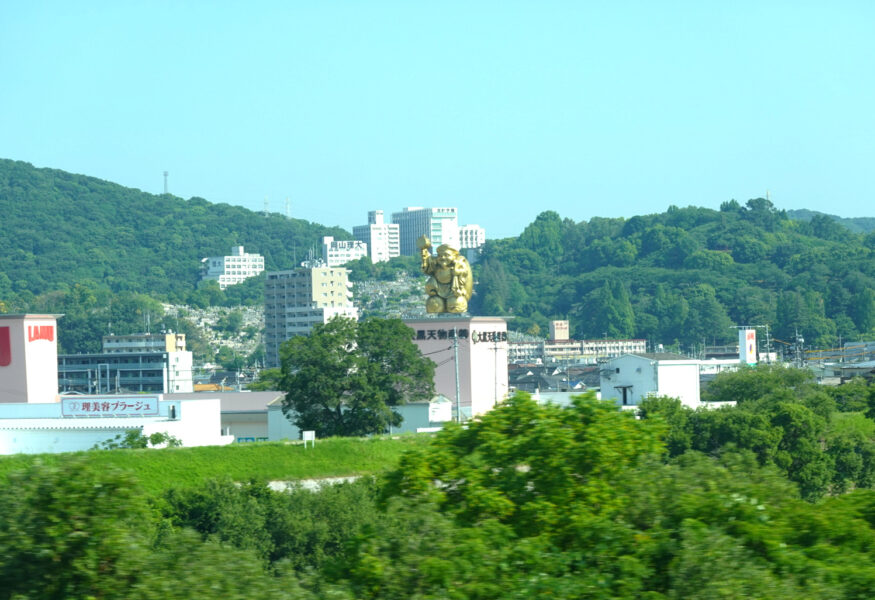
column 134, row 438
column 346, row 377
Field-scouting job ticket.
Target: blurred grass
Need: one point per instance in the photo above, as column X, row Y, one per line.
column 160, row 469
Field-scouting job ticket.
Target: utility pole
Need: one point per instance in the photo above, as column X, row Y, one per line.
column 456, row 361
column 798, row 342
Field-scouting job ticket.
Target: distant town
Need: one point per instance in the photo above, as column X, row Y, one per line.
column 493, row 363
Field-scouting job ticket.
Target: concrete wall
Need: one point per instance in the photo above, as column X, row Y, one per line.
column 33, row 428
column 643, row 377
column 246, row 427
column 634, row 373
column 679, row 380
column 416, row 416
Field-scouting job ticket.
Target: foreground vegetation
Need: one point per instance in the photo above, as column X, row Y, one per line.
column 158, row 470
column 530, row 501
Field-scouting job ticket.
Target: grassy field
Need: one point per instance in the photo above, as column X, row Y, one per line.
column 158, row 470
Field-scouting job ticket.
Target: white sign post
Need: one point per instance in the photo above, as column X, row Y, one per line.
column 309, row 436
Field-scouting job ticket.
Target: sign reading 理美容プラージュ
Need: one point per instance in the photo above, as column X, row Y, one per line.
column 110, row 406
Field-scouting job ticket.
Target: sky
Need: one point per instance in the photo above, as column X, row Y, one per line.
column 503, row 109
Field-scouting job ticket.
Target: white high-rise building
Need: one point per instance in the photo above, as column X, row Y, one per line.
column 230, row 270
column 296, row 299
column 440, row 225
column 340, row 252
column 471, row 236
column 382, row 238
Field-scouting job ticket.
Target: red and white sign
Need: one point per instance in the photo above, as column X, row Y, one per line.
column 40, row 332
column 5, row 347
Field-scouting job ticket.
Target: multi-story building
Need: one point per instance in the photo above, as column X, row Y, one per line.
column 340, row 252
column 144, row 342
column 440, row 225
column 297, row 299
column 572, row 351
column 233, row 269
column 471, row 236
column 382, row 238
column 116, row 372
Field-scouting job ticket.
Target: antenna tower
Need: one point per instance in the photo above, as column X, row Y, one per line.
column 288, row 208
column 165, row 181
column 266, row 206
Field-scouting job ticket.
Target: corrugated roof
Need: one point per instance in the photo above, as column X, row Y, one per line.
column 663, row 356
column 233, row 401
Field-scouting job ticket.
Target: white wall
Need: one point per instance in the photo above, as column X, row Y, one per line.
column 32, row 373
column 35, row 429
column 679, row 380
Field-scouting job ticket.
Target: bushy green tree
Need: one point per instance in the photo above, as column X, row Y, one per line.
column 345, row 378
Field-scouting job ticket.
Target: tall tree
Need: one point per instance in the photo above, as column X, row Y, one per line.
column 345, row 378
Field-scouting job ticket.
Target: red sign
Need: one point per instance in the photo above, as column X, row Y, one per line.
column 5, row 347
column 40, row 332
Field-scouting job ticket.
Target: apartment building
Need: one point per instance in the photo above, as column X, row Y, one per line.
column 382, row 239
column 297, row 299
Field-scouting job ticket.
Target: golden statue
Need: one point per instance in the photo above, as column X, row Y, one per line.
column 450, row 286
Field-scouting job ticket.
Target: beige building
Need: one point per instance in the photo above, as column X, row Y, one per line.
column 559, row 330
column 297, row 299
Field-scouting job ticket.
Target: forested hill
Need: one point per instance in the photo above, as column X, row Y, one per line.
column 59, row 229
column 686, row 275
column 855, row 224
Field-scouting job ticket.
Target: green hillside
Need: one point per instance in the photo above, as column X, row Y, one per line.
column 853, row 224
column 106, row 256
column 686, row 275
column 60, row 229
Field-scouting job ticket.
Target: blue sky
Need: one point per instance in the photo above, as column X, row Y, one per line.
column 504, row 109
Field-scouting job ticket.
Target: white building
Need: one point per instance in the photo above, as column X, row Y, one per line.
column 28, row 358
column 144, row 342
column 230, row 270
column 35, row 419
column 340, row 252
column 126, row 372
column 77, row 423
column 629, row 379
column 440, row 225
column 482, row 355
column 471, row 236
column 572, row 351
column 382, row 238
column 297, row 299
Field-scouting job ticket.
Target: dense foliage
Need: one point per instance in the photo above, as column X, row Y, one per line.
column 346, row 377
column 817, row 436
column 61, row 229
column 529, row 501
column 685, row 276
